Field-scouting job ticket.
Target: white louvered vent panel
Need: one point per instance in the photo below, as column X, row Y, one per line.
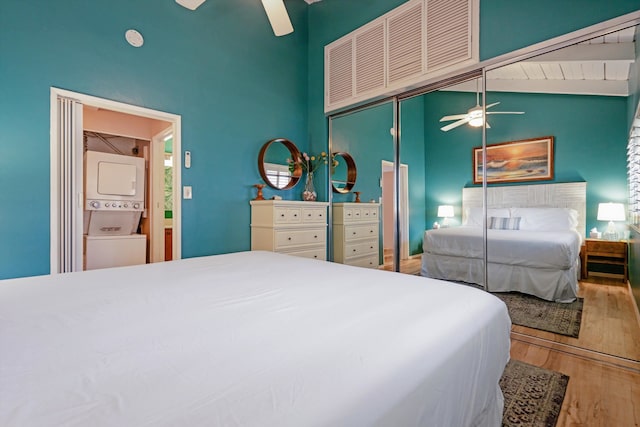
column 370, row 59
column 405, row 34
column 340, row 64
column 448, row 32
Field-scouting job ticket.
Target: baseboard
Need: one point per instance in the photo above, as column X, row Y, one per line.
column 633, row 301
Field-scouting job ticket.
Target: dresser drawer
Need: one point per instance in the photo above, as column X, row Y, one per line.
column 315, row 253
column 354, row 232
column 370, row 261
column 314, row 215
column 608, row 247
column 288, row 215
column 356, row 249
column 289, row 238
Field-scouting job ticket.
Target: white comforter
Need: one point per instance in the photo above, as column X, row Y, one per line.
column 249, row 339
column 538, row 249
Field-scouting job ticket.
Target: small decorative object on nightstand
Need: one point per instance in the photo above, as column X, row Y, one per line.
column 357, row 193
column 605, row 252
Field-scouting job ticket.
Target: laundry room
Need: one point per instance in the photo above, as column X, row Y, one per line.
column 121, row 191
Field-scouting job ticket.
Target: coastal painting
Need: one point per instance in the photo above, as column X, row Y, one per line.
column 515, row 161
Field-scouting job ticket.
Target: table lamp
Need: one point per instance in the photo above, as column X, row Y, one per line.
column 611, row 212
column 445, row 211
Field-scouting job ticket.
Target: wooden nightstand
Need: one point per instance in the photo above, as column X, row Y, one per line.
column 606, row 252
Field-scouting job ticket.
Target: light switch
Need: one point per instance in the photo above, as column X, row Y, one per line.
column 186, row 192
column 187, row 159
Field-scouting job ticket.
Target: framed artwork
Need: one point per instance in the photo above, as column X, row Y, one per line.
column 516, row 161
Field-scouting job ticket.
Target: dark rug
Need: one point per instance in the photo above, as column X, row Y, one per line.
column 536, row 313
column 532, row 396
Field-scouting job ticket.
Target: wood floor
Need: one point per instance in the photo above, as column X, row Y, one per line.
column 603, row 363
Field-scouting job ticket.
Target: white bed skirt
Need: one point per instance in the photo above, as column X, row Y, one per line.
column 548, row 284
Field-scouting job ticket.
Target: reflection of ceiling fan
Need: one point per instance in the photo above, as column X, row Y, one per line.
column 276, row 12
column 473, row 116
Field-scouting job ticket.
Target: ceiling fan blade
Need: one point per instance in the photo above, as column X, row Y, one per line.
column 491, row 105
column 505, row 112
column 454, row 117
column 190, row 4
column 454, row 124
column 278, row 17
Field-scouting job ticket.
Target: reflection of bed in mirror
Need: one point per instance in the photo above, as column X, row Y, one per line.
column 534, row 234
column 241, row 339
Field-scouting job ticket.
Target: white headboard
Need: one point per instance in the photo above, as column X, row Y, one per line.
column 571, row 195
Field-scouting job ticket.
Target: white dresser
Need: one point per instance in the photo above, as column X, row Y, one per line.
column 292, row 227
column 356, row 234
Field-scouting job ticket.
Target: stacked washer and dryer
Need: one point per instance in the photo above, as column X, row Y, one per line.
column 114, row 201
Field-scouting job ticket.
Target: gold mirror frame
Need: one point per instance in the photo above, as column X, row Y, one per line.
column 352, row 173
column 295, row 154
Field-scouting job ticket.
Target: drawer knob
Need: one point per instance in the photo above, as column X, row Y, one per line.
column 315, row 256
column 282, row 215
column 308, row 214
column 289, row 238
column 354, row 250
column 354, row 233
column 315, row 237
column 295, row 215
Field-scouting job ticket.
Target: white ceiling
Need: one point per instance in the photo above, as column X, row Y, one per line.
column 597, row 67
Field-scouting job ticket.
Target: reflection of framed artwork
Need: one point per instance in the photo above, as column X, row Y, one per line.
column 515, row 161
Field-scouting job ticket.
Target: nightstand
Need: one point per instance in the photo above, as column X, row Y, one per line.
column 606, row 252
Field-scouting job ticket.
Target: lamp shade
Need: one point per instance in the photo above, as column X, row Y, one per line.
column 611, row 212
column 445, row 211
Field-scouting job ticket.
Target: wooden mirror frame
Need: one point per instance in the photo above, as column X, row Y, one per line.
column 352, row 173
column 295, row 155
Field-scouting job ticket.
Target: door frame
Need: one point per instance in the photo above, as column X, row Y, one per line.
column 403, row 215
column 93, row 101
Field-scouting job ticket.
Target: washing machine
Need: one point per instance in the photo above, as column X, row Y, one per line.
column 114, row 251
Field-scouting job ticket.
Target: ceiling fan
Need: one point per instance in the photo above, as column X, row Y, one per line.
column 473, row 116
column 276, row 12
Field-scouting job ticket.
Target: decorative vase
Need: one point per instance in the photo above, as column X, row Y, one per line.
column 309, row 194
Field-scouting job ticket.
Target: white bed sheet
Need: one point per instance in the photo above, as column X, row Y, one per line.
column 540, row 263
column 249, row 339
column 538, row 249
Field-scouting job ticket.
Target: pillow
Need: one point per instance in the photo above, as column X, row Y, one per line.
column 501, row 223
column 473, row 216
column 546, row 219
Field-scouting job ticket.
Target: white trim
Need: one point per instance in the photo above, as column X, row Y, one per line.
column 403, row 216
column 93, row 101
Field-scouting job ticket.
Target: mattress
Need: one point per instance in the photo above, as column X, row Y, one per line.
column 540, row 263
column 537, row 249
column 249, row 339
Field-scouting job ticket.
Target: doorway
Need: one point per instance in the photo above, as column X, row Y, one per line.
column 388, row 190
column 72, row 114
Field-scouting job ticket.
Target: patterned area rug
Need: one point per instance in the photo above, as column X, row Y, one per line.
column 536, row 313
column 532, row 396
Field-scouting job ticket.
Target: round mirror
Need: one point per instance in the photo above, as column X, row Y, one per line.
column 274, row 164
column 343, row 172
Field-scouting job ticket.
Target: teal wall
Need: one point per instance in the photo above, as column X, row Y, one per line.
column 234, row 84
column 507, row 25
column 590, row 142
column 221, row 68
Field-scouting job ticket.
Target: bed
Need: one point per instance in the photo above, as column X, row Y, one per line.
column 249, row 339
column 533, row 250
